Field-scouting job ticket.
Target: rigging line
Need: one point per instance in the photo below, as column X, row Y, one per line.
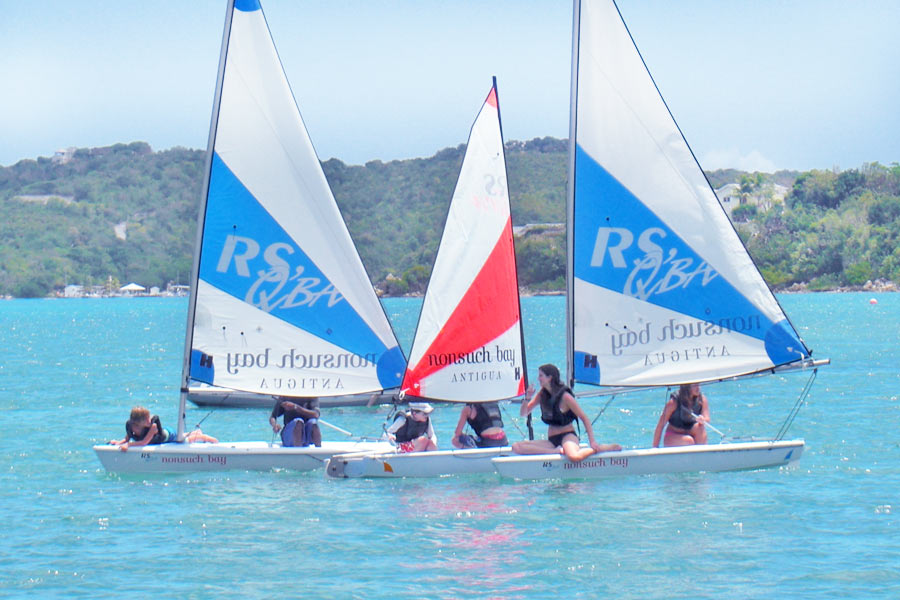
column 789, row 420
column 197, row 426
column 515, row 422
column 611, row 398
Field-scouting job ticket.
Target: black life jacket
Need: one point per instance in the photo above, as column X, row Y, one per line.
column 684, row 417
column 551, row 414
column 411, row 429
column 487, row 415
column 161, row 434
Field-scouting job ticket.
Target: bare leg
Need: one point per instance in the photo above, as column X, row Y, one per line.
column 698, row 432
column 534, row 447
column 297, row 434
column 199, row 436
column 673, row 438
column 316, row 437
column 422, row 443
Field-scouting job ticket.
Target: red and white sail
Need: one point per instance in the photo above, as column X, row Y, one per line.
column 468, row 344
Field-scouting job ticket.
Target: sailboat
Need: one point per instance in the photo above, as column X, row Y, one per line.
column 468, row 346
column 280, row 301
column 660, row 289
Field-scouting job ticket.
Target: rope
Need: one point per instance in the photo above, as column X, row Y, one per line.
column 789, row 420
column 515, row 422
column 602, row 410
column 197, row 426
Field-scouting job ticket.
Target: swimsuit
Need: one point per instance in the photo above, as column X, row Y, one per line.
column 557, row 439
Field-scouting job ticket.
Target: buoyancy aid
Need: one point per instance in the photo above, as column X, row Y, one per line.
column 160, row 437
column 684, row 417
column 551, row 414
column 411, row 429
column 487, row 415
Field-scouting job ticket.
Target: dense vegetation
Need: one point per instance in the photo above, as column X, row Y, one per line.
column 125, row 213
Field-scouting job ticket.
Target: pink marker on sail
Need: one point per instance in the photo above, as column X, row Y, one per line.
column 468, row 345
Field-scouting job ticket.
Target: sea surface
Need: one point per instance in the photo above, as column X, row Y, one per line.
column 70, row 371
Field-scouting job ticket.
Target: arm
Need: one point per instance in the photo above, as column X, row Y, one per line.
column 704, row 411
column 663, row 418
column 463, row 416
column 150, row 433
column 390, row 431
column 277, row 411
column 429, row 433
column 569, row 402
column 302, row 410
column 527, row 407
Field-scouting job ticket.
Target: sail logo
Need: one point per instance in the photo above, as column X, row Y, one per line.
column 656, row 271
column 494, row 198
column 277, row 285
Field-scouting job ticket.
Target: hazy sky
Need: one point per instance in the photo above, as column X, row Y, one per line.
column 756, row 85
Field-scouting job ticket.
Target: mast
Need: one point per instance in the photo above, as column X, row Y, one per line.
column 201, row 219
column 570, row 199
column 515, row 264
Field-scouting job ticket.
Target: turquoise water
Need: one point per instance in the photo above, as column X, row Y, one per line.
column 70, row 370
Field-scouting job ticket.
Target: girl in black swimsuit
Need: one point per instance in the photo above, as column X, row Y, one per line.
column 684, row 417
column 559, row 409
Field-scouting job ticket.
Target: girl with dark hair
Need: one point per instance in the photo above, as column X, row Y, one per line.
column 684, row 417
column 559, row 411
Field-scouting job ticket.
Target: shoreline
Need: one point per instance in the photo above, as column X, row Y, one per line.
column 877, row 286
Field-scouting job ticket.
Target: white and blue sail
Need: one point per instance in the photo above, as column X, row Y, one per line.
column 662, row 290
column 282, row 302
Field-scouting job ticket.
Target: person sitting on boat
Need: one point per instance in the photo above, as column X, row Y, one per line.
column 684, row 418
column 412, row 431
column 301, row 421
column 146, row 430
column 559, row 410
column 486, row 421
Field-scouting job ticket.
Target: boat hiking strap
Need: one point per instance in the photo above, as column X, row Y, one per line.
column 790, row 418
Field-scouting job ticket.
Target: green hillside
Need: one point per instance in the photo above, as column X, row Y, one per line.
column 125, row 213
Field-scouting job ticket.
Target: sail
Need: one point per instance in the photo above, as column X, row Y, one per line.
column 662, row 289
column 468, row 342
column 283, row 304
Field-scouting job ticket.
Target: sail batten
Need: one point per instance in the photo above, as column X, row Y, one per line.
column 282, row 303
column 662, row 290
column 468, row 342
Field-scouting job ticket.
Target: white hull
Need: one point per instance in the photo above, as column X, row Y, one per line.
column 683, row 459
column 225, row 456
column 416, row 464
column 647, row 461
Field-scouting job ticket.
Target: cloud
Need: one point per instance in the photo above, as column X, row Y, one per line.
column 732, row 158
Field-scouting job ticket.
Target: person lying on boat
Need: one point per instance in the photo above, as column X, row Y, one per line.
column 684, row 417
column 146, row 430
column 412, row 430
column 559, row 410
column 486, row 421
column 301, row 421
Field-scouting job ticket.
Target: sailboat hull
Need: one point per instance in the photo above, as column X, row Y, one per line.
column 225, row 456
column 416, row 464
column 683, row 459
